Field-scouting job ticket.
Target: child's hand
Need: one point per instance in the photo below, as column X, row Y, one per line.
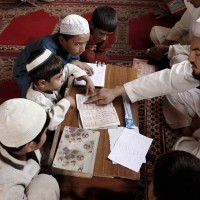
column 71, row 100
column 84, row 66
column 89, row 87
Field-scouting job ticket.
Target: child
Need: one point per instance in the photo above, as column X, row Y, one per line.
column 176, row 176
column 48, row 74
column 69, row 43
column 23, row 126
column 102, row 25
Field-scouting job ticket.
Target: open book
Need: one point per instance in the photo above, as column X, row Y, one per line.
column 96, row 117
column 76, row 152
column 98, row 78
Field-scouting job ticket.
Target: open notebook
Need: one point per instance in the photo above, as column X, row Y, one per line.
column 98, row 78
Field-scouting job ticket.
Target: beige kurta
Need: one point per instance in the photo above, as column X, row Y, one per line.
column 19, row 180
column 181, row 33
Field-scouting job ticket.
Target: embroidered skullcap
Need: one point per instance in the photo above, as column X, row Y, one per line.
column 43, row 58
column 21, row 120
column 196, row 28
column 74, row 25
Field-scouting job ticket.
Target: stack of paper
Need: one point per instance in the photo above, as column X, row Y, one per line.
column 128, row 147
column 98, row 78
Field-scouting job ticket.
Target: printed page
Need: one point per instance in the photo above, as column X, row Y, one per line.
column 130, row 149
column 98, row 78
column 95, row 117
column 76, row 152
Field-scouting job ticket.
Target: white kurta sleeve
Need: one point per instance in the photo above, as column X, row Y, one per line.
column 71, row 69
column 57, row 113
column 177, row 79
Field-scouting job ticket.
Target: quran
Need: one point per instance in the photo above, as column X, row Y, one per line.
column 93, row 116
column 76, row 152
column 98, row 78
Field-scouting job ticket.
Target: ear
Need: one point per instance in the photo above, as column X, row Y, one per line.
column 30, row 147
column 61, row 39
column 42, row 83
column 92, row 27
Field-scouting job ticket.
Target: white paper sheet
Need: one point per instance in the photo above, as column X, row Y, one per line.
column 98, row 78
column 130, row 149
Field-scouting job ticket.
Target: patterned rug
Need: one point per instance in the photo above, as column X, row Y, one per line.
column 152, row 124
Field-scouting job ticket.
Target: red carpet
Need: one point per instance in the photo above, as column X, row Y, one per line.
column 25, row 28
column 9, row 90
column 140, row 29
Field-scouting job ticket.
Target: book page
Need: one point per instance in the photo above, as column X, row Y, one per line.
column 143, row 68
column 95, row 117
column 76, row 152
column 130, row 149
column 98, row 78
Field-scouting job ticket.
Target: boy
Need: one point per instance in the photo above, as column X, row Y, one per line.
column 68, row 43
column 102, row 25
column 23, row 126
column 48, row 74
column 176, row 176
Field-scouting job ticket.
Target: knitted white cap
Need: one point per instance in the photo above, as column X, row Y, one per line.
column 21, row 120
column 46, row 55
column 196, row 28
column 74, row 25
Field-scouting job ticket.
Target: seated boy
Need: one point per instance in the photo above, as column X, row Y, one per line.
column 48, row 74
column 23, row 126
column 176, row 176
column 102, row 25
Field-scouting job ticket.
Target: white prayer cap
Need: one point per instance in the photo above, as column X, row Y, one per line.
column 74, row 25
column 196, row 28
column 41, row 59
column 21, row 120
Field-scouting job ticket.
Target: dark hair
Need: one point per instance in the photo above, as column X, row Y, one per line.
column 176, row 176
column 46, row 70
column 105, row 18
column 36, row 139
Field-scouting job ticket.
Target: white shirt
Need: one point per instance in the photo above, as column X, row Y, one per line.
column 177, row 79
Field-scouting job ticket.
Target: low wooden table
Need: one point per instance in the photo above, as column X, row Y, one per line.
column 104, row 170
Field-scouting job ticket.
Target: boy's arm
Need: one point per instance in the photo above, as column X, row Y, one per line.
column 84, row 66
column 80, row 75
